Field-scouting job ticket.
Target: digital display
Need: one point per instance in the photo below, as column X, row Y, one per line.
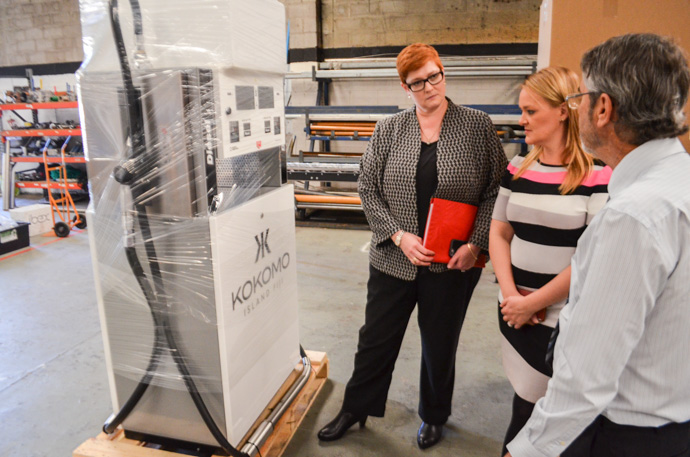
column 266, row 97
column 244, row 96
column 234, row 131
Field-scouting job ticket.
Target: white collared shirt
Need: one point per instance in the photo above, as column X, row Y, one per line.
column 624, row 344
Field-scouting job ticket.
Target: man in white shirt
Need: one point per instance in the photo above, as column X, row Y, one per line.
column 621, row 383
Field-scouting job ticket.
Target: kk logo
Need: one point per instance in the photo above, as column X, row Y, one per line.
column 261, row 245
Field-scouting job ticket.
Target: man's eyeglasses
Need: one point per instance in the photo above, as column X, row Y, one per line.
column 419, row 85
column 574, row 100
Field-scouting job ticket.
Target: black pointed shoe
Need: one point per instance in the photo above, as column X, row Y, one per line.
column 335, row 429
column 428, row 435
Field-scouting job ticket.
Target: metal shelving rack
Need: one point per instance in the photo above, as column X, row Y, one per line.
column 326, row 166
column 355, row 123
column 9, row 162
column 325, row 124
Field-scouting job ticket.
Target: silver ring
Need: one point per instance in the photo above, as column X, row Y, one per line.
column 510, row 324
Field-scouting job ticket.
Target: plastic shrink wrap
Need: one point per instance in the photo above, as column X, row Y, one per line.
column 191, row 231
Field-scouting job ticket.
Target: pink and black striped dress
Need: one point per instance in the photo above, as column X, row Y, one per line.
column 547, row 226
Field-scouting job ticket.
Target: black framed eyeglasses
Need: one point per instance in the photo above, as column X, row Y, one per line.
column 574, row 100
column 419, row 85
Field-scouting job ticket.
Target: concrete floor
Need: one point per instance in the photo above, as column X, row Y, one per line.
column 53, row 385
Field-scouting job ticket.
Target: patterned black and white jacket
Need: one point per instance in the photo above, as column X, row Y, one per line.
column 470, row 163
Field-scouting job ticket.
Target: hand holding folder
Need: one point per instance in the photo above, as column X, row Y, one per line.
column 449, row 226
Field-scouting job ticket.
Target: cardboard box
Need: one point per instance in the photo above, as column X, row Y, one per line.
column 13, row 238
column 38, row 216
column 592, row 22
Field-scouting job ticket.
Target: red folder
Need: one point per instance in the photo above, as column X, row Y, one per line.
column 448, row 221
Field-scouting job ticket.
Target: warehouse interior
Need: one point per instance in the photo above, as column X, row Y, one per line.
column 55, row 390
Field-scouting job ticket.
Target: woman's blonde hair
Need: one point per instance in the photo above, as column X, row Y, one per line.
column 553, row 84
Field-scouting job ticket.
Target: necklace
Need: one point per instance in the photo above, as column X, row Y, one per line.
column 430, row 138
column 552, row 160
column 435, row 133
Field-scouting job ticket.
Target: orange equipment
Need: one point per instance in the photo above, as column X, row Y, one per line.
column 328, row 199
column 64, row 205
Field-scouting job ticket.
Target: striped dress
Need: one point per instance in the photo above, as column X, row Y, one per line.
column 547, row 226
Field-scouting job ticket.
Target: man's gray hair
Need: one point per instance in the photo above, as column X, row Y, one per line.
column 647, row 78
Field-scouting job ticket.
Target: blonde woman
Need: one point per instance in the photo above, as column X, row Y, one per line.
column 546, row 200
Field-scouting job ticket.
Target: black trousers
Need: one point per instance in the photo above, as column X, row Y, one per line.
column 442, row 300
column 604, row 438
column 522, row 410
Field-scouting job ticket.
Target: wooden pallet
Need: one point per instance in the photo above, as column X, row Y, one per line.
column 117, row 445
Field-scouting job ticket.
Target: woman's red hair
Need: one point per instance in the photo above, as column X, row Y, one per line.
column 414, row 57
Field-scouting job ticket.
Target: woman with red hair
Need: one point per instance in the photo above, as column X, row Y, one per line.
column 433, row 149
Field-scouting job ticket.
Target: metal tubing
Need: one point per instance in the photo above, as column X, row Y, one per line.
column 341, row 207
column 448, row 62
column 338, row 199
column 8, row 178
column 266, row 427
column 392, row 73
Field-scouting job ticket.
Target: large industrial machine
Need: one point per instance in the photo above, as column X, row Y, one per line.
column 191, row 230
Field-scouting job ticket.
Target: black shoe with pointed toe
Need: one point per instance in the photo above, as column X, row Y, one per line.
column 335, row 429
column 428, row 435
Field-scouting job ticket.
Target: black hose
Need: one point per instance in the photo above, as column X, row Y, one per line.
column 175, row 350
column 196, row 397
column 122, row 56
column 116, row 419
column 136, row 14
column 132, row 96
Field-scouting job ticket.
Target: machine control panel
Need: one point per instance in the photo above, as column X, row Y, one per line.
column 251, row 108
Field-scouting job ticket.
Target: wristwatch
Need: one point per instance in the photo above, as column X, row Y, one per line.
column 398, row 238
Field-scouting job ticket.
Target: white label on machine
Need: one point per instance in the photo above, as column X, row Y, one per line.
column 255, row 273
